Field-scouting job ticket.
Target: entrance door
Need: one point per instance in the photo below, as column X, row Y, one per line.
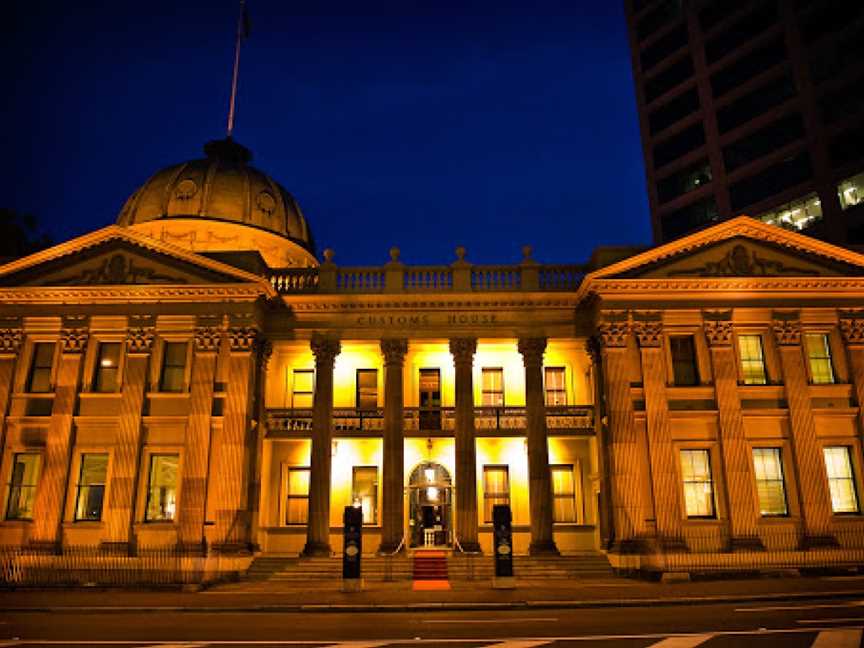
column 430, row 399
column 429, row 489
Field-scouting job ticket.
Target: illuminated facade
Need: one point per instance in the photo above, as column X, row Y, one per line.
column 192, row 378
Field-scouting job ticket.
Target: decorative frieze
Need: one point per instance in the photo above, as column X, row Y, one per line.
column 394, row 350
column 242, row 338
column 532, row 350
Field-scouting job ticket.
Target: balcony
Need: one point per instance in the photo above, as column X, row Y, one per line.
column 419, row 421
column 395, row 277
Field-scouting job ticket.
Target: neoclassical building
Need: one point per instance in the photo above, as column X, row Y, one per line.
column 193, row 378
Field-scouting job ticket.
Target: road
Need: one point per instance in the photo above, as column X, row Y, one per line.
column 822, row 624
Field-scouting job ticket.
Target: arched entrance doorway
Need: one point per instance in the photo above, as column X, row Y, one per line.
column 430, row 505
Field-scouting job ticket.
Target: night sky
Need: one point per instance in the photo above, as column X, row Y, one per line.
column 419, row 124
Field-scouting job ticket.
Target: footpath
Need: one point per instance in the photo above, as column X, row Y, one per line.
column 326, row 596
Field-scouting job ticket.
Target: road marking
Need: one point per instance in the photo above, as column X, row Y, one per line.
column 196, row 644
column 682, row 642
column 838, row 639
column 518, row 643
column 819, row 606
column 522, row 620
column 838, row 620
column 356, row 644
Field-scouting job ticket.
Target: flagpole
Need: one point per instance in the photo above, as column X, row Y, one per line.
column 236, row 69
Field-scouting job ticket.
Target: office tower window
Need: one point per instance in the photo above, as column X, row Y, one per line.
column 752, row 359
column 364, row 492
column 795, row 215
column 367, row 388
column 819, row 358
column 91, row 487
column 681, row 221
column 296, row 479
column 841, row 479
column 162, row 488
column 683, row 351
column 173, row 376
column 770, row 485
column 106, row 374
column 39, row 378
column 22, row 485
column 492, row 387
column 698, row 485
column 496, row 489
column 851, row 191
column 681, row 182
column 556, row 387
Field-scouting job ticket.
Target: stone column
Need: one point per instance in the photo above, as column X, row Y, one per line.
column 53, row 482
column 193, row 490
column 393, row 525
column 594, row 347
column 664, row 469
column 852, row 330
column 539, row 476
column 125, row 467
column 265, row 352
column 463, row 350
column 625, row 451
column 230, row 459
column 740, row 480
column 809, row 460
column 318, row 529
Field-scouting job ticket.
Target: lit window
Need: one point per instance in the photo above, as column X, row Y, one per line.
column 851, row 191
column 567, row 493
column 496, row 489
column 162, row 488
column 683, row 360
column 364, row 492
column 769, row 481
column 819, row 358
column 556, row 388
column 795, row 215
column 22, row 486
column 698, row 486
column 367, row 388
column 107, row 372
column 91, row 487
column 841, row 479
column 493, row 388
column 303, row 388
column 39, row 380
column 297, row 495
column 173, row 375
column 752, row 359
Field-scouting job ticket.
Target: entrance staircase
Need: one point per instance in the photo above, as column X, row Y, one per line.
column 431, row 565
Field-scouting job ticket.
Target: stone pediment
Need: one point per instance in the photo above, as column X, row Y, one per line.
column 116, row 257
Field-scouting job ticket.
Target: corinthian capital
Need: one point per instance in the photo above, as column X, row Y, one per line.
column 532, row 350
column 648, row 332
column 614, row 333
column 242, row 338
column 74, row 340
column 852, row 327
column 718, row 332
column 463, row 349
column 787, row 330
column 11, row 340
column 139, row 340
column 325, row 349
column 394, row 350
column 207, row 339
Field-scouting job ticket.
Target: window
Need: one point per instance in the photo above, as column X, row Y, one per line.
column 22, row 485
column 303, row 388
column 851, row 191
column 39, row 380
column 556, row 388
column 367, row 388
column 683, row 360
column 841, row 480
column 496, row 489
column 769, row 481
column 752, row 359
column 819, row 358
column 780, row 176
column 679, row 145
column 91, row 487
column 673, row 110
column 107, row 372
column 795, row 215
column 684, row 181
column 173, row 367
column 567, row 493
column 297, row 495
column 763, row 141
column 493, row 388
column 686, row 219
column 364, row 492
column 698, row 487
column 162, row 489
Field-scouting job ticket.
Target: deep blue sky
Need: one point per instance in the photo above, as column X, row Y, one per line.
column 418, row 124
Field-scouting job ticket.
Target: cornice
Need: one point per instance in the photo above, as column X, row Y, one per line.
column 353, row 303
column 753, row 284
column 130, row 294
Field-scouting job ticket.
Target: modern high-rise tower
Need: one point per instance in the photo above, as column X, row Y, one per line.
column 752, row 107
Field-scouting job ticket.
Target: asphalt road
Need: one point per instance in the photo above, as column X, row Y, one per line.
column 822, row 624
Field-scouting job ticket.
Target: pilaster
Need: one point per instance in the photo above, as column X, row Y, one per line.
column 852, row 330
column 318, row 530
column 11, row 340
column 809, row 461
column 463, row 350
column 539, row 476
column 51, row 494
column 392, row 527
column 661, row 452
column 737, row 457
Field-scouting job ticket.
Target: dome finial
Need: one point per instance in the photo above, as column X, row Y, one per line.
column 228, row 151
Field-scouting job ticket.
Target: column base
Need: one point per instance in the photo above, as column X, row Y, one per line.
column 826, row 541
column 317, row 550
column 116, row 548
column 543, row 548
column 231, row 549
column 746, row 543
column 631, row 546
column 470, row 547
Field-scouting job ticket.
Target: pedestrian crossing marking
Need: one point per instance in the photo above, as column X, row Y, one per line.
column 845, row 638
column 686, row 641
column 517, row 643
